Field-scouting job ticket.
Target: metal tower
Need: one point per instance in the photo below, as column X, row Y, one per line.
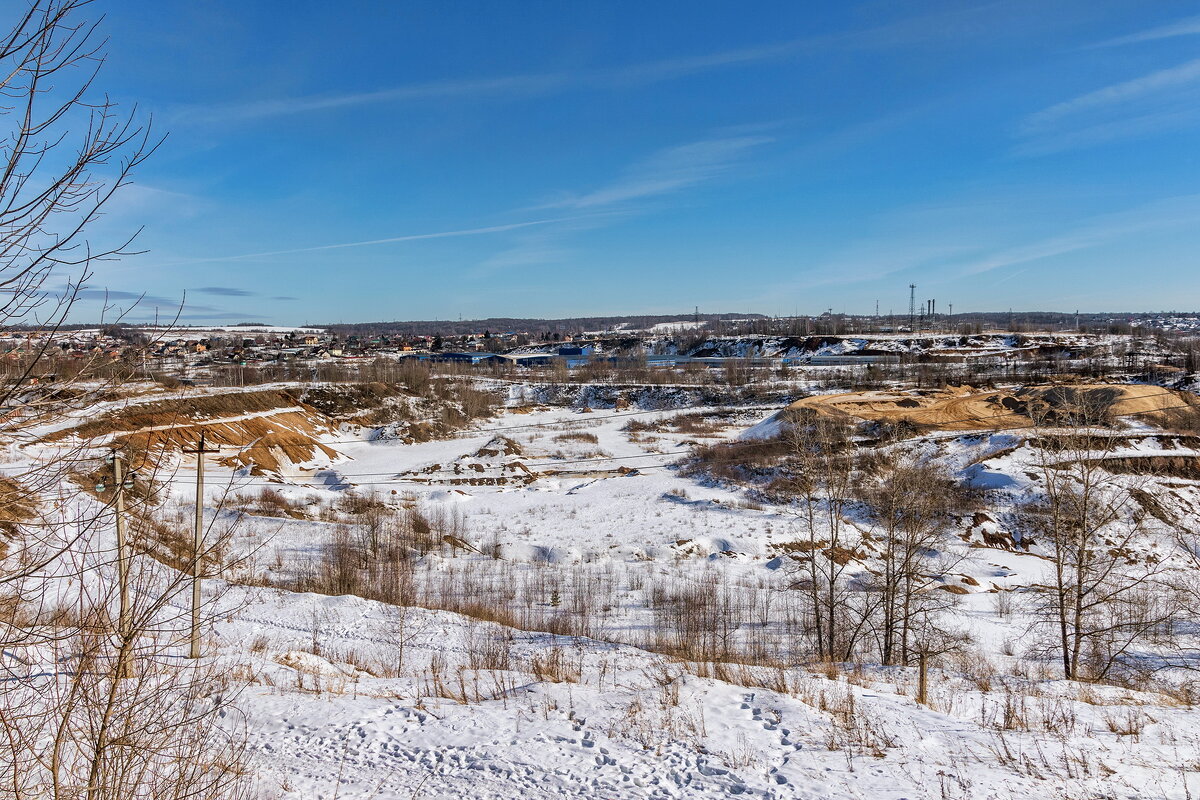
column 912, row 308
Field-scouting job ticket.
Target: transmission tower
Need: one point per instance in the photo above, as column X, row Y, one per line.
column 912, row 308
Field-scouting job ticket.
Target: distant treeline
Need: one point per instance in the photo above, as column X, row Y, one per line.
column 507, row 324
column 732, row 323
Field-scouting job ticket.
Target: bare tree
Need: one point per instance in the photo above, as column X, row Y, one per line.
column 824, row 471
column 89, row 707
column 65, row 153
column 1103, row 597
column 910, row 504
column 92, row 710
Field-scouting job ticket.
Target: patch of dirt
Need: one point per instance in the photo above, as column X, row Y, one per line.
column 264, row 430
column 499, row 446
column 965, row 408
column 1150, row 504
column 1186, row 467
column 348, row 400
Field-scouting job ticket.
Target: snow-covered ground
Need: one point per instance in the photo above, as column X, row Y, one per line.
column 562, row 512
column 631, row 724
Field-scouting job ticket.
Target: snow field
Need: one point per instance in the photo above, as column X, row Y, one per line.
column 565, row 678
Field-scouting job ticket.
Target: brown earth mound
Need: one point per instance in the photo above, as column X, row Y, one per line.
column 1186, row 467
column 964, row 408
column 267, row 430
column 347, row 401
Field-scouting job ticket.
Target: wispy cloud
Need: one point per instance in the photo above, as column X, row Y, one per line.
column 510, row 86
column 1158, row 101
column 527, row 251
column 117, row 296
column 876, row 261
column 668, row 171
column 1183, row 27
column 953, row 244
column 225, row 291
column 125, row 302
column 1185, row 74
column 142, row 201
column 412, row 237
column 431, row 90
column 1172, row 213
column 1098, row 133
column 956, row 23
column 541, row 247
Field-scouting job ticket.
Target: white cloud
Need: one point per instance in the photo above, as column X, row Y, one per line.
column 669, row 171
column 1124, row 92
column 412, row 237
column 1164, row 100
column 512, row 85
column 955, row 23
column 1166, row 214
column 1183, row 27
column 945, row 246
column 1129, row 127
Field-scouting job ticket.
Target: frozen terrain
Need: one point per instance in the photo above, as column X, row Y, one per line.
column 533, row 660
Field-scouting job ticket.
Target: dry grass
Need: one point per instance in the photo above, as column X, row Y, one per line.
column 577, row 436
column 16, row 506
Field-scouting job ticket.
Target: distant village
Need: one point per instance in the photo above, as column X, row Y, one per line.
column 181, row 349
column 659, row 346
column 251, row 345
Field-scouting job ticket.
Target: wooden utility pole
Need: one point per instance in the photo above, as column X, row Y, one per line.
column 197, row 543
column 923, row 678
column 123, row 625
column 124, row 618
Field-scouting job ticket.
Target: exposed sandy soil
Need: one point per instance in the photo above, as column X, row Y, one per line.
column 268, row 430
column 966, row 408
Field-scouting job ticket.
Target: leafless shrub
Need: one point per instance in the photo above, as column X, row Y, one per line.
column 554, row 665
column 116, row 713
column 489, row 647
column 577, row 436
column 1127, row 722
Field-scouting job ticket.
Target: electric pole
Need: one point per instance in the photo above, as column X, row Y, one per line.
column 124, row 621
column 122, row 544
column 197, row 543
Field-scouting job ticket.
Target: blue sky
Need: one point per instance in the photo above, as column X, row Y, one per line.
column 360, row 161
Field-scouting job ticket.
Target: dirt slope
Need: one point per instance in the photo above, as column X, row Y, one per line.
column 967, row 408
column 266, row 430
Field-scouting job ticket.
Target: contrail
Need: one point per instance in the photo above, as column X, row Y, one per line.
column 409, row 238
